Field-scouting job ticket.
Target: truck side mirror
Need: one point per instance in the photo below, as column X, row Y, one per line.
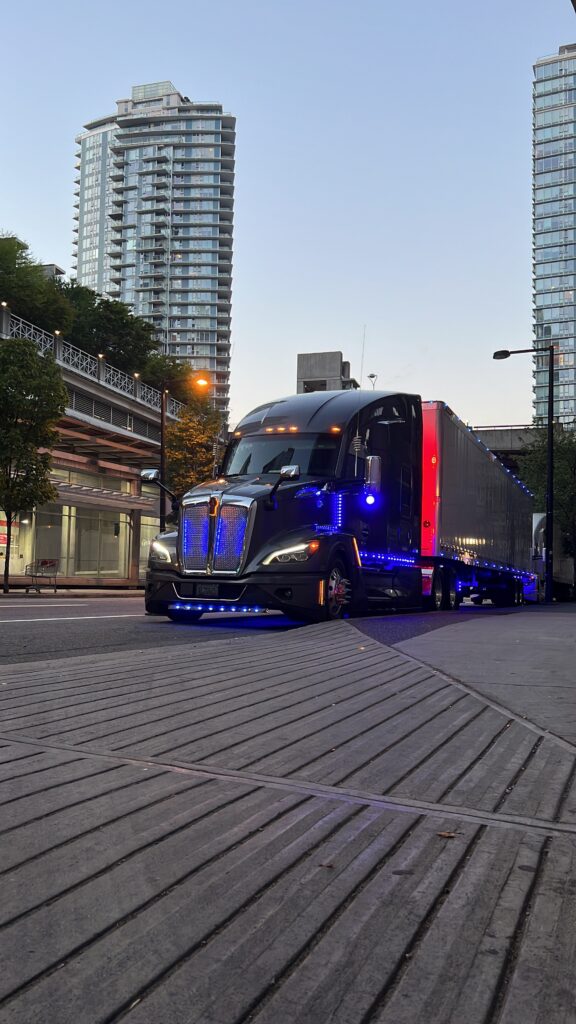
column 373, row 472
column 150, row 475
column 286, row 473
column 290, row 473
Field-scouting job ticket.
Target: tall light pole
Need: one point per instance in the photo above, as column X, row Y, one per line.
column 549, row 564
column 200, row 382
column 163, row 407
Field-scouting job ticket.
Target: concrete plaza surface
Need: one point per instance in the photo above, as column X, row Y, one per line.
column 303, row 827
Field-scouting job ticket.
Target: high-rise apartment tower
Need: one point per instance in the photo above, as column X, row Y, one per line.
column 554, row 230
column 154, row 211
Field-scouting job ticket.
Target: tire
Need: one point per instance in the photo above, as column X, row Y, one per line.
column 184, row 617
column 337, row 592
column 505, row 598
column 450, row 596
column 155, row 608
column 435, row 602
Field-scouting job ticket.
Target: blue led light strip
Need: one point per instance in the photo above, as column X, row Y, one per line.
column 337, row 510
column 183, row 607
column 376, row 556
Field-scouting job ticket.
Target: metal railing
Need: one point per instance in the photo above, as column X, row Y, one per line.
column 89, row 366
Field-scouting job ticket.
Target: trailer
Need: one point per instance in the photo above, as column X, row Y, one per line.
column 333, row 503
column 476, row 518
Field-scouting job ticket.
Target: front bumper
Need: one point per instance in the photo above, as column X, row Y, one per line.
column 284, row 592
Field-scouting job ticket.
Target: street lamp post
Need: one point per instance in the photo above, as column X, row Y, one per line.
column 200, row 382
column 549, row 564
column 163, row 408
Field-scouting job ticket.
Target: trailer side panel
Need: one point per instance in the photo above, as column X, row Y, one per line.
column 482, row 513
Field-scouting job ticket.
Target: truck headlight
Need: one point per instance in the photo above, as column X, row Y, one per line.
column 297, row 553
column 159, row 552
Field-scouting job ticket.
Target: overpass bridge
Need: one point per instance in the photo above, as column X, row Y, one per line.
column 110, row 414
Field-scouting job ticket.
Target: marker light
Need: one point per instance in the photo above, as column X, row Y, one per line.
column 335, row 430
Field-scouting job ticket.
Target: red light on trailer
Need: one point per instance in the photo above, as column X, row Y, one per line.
column 430, row 477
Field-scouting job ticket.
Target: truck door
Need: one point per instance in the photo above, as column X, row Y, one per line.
column 392, row 432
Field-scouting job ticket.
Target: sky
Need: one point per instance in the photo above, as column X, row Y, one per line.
column 383, row 171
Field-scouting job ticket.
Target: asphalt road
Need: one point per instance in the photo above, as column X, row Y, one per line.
column 45, row 628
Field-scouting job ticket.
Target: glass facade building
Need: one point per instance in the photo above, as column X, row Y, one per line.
column 154, row 221
column 554, row 230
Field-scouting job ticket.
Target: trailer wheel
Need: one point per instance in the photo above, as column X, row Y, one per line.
column 450, row 596
column 179, row 615
column 436, row 600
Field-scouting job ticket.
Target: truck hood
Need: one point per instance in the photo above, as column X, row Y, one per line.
column 250, row 487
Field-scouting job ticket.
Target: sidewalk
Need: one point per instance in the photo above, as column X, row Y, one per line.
column 297, row 828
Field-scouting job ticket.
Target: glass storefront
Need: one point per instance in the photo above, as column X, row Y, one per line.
column 86, row 541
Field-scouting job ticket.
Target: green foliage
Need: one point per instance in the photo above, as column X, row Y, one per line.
column 532, row 468
column 190, row 445
column 165, row 371
column 104, row 325
column 32, row 399
column 28, row 291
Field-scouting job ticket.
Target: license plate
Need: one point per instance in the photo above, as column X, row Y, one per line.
column 206, row 590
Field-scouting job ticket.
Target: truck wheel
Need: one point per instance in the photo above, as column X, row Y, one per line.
column 155, row 608
column 179, row 615
column 338, row 591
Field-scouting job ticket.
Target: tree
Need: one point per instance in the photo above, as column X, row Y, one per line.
column 190, row 445
column 166, row 371
column 32, row 399
column 28, row 291
column 532, row 468
column 105, row 325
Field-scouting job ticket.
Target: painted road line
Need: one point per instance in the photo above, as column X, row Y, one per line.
column 45, row 604
column 73, row 618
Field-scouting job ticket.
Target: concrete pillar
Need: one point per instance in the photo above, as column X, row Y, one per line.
column 134, row 563
column 4, row 322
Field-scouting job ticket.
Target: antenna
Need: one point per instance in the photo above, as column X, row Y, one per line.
column 362, row 357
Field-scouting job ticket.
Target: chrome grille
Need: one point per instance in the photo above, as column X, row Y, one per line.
column 195, row 535
column 229, row 539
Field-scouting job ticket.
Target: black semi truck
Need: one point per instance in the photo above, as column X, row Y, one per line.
column 333, row 503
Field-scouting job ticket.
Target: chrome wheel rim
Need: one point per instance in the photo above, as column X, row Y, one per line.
column 337, row 590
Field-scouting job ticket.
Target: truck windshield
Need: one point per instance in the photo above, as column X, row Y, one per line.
column 316, row 454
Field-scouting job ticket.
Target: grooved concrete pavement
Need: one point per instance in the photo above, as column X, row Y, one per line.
column 306, row 826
